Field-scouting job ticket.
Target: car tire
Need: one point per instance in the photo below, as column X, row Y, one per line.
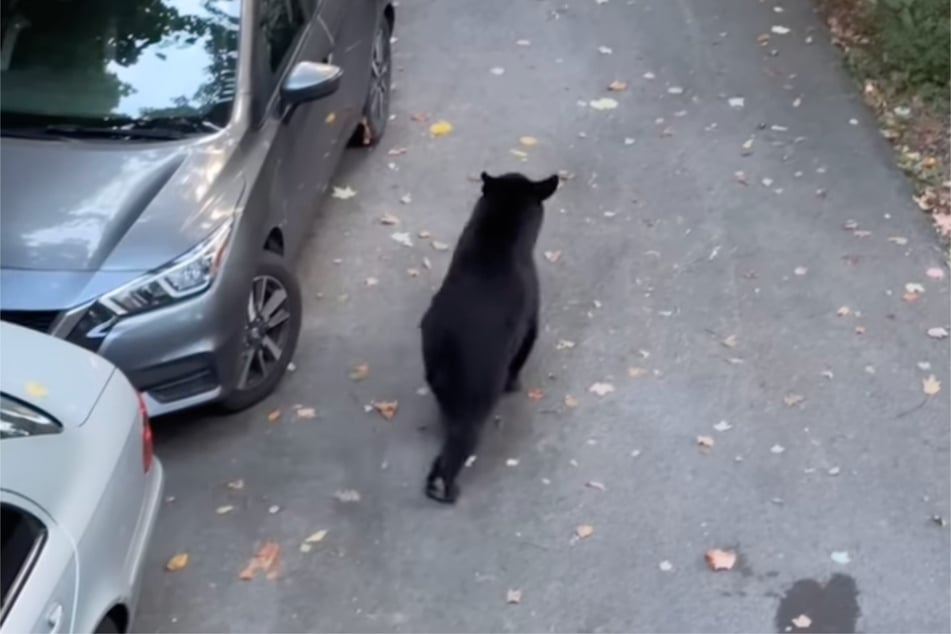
column 376, row 107
column 276, row 277
column 107, row 626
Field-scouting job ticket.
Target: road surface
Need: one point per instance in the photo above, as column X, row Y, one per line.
column 732, row 243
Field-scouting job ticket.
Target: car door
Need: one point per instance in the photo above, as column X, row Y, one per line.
column 297, row 168
column 40, row 573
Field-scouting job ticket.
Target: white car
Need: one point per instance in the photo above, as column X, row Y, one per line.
column 80, row 488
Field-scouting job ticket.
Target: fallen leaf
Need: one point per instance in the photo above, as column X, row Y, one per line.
column 273, row 509
column 511, row 462
column 860, row 330
column 528, row 141
column 419, row 117
column 330, row 118
column 840, row 557
column 440, row 128
column 605, row 103
column 777, row 449
column 747, row 148
column 523, row 42
column 347, row 495
column 570, row 401
column 636, row 373
column 594, row 484
column 387, row 409
column 935, row 273
column 800, row 270
column 720, row 559
column 931, row 385
column 344, row 193
column 729, row 342
column 665, row 566
column 520, row 154
column 360, row 372
column 513, row 596
column 938, row 332
column 780, row 30
column 35, row 390
column 802, row 621
column 389, row 219
column 224, row 510
column 406, row 199
column 913, row 287
column 497, row 70
column 723, row 426
column 585, row 530
column 440, row 246
column 605, row 50
column 601, row 389
column 535, row 394
column 266, row 559
column 274, row 415
column 791, row 400
column 372, row 281
column 236, row 485
column 552, row 256
column 910, row 297
column 397, row 151
column 403, row 238
column 306, row 412
column 564, row 344
column 315, row 538
column 741, row 178
column 899, row 240
column 736, row 102
column 675, row 90
column 843, row 311
column 177, row 562
column 617, row 86
column 705, row 441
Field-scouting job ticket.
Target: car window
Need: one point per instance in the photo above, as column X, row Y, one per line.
column 281, row 22
column 21, row 539
column 87, row 62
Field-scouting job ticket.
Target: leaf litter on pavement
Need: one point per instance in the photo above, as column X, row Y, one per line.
column 313, row 539
column 177, row 562
column 266, row 560
column 718, row 559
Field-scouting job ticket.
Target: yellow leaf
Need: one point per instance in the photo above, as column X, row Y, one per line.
column 331, row 117
column 274, row 415
column 585, row 530
column 528, row 141
column 931, row 385
column 440, row 128
column 35, row 390
column 177, row 562
column 314, row 538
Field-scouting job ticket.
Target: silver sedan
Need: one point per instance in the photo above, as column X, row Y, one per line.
column 79, row 488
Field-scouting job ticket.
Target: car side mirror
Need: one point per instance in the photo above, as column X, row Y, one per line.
column 310, row 81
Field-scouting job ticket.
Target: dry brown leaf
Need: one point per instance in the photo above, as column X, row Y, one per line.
column 535, row 394
column 267, row 560
column 720, row 559
column 583, row 531
column 570, row 401
column 931, row 385
column 791, row 400
column 360, row 371
column 387, row 409
column 705, row 441
column 636, row 373
column 274, row 416
column 513, row 596
column 177, row 562
column 802, row 621
column 617, row 86
column 729, row 342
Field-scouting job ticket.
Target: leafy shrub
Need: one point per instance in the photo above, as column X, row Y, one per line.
column 915, row 40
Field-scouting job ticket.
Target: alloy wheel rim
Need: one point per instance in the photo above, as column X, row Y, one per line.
column 265, row 332
column 380, row 78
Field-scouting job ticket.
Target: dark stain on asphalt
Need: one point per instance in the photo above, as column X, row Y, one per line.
column 830, row 608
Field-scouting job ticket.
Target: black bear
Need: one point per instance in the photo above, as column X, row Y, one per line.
column 482, row 323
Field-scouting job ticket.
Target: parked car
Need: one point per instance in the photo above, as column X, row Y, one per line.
column 162, row 160
column 79, row 488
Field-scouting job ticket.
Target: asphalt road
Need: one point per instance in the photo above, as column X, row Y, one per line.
column 725, row 294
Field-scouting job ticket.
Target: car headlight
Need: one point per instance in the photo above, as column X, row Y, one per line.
column 185, row 276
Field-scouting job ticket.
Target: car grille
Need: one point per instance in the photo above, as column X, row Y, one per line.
column 41, row 320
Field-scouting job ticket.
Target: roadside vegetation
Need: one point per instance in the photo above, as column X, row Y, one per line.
column 900, row 53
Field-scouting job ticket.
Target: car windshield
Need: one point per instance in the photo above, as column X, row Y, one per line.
column 118, row 62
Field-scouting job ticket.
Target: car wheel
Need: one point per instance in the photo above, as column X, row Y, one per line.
column 376, row 110
column 271, row 328
column 107, row 626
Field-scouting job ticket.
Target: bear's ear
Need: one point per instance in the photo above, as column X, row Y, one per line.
column 545, row 188
column 487, row 182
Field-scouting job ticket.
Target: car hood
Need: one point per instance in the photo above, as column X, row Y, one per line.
column 109, row 206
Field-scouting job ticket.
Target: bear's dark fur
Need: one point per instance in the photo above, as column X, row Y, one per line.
column 482, row 323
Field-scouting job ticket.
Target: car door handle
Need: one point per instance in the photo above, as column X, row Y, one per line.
column 54, row 617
